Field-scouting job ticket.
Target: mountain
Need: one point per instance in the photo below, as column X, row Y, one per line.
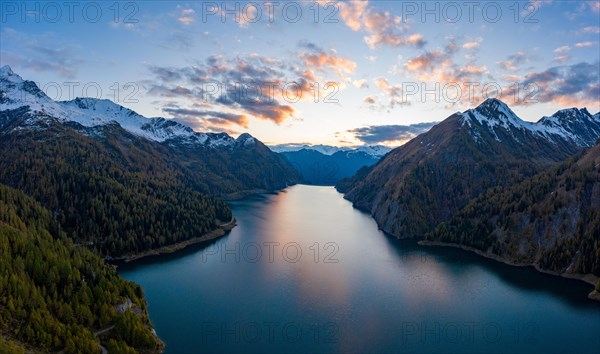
column 430, row 178
column 551, row 220
column 221, row 164
column 322, row 169
column 120, row 183
column 54, row 295
column 373, row 150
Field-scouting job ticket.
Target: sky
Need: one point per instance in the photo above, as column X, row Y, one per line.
column 320, row 72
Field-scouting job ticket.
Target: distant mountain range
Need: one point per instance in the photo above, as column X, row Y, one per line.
column 372, row 150
column 325, row 164
column 430, row 179
column 122, row 183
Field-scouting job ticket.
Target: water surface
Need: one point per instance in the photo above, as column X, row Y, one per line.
column 305, row 272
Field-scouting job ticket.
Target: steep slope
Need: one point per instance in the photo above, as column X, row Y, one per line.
column 551, row 220
column 433, row 176
column 222, row 164
column 122, row 183
column 244, row 165
column 320, row 169
column 108, row 189
column 53, row 295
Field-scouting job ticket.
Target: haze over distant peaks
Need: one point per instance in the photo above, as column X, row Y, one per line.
column 373, row 150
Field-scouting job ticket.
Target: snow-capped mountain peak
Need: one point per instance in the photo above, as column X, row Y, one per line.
column 16, row 93
column 6, row 71
column 373, row 150
column 493, row 112
column 246, row 139
column 577, row 126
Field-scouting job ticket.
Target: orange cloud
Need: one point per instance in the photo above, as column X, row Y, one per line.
column 322, row 61
column 351, row 12
column 471, row 45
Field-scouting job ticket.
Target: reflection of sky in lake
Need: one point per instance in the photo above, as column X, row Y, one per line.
column 382, row 295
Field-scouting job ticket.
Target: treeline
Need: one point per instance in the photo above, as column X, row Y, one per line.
column 54, row 295
column 222, row 172
column 114, row 193
column 552, row 219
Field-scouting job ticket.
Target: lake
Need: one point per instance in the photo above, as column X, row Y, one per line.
column 305, row 272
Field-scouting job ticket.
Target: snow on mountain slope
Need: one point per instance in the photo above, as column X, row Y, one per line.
column 323, row 149
column 574, row 125
column 91, row 112
column 577, row 125
column 16, row 93
column 372, row 150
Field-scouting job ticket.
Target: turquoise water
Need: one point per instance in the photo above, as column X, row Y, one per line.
column 305, row 272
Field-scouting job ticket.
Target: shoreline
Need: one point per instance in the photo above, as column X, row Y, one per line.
column 586, row 278
column 220, row 231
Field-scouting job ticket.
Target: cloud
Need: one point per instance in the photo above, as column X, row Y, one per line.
column 362, row 83
column 584, row 44
column 563, row 49
column 186, row 16
column 369, row 100
column 259, row 106
column 511, row 78
column 172, row 92
column 318, row 59
column 351, row 12
column 471, row 45
column 439, row 66
column 591, row 30
column 567, row 85
column 371, row 58
column 166, row 74
column 513, row 62
column 437, row 70
column 427, row 61
column 394, row 40
column 387, row 29
column 251, row 86
column 382, row 28
column 200, row 118
column 562, row 58
column 377, row 134
column 392, row 93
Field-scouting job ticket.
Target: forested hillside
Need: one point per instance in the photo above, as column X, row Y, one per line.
column 551, row 220
column 433, row 176
column 54, row 295
column 107, row 189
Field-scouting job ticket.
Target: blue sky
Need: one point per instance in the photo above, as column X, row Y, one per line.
column 305, row 71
